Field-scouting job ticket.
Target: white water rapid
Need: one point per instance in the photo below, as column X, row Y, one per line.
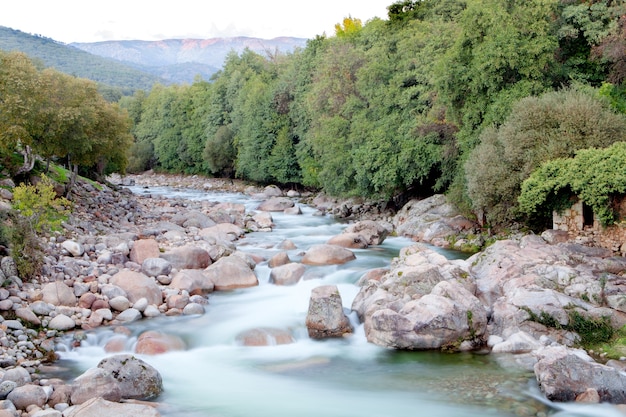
column 217, row 377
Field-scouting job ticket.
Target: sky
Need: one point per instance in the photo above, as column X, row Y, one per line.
column 70, row 21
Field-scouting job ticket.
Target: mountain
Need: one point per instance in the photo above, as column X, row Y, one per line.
column 180, row 60
column 72, row 60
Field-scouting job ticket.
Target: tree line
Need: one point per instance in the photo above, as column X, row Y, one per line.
column 466, row 97
column 47, row 115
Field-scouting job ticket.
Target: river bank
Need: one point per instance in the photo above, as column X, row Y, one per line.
column 156, row 242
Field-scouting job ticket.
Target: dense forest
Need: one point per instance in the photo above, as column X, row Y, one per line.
column 479, row 99
column 463, row 97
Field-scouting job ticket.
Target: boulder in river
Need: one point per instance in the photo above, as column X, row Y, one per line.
column 231, row 272
column 97, row 407
column 325, row 317
column 135, row 378
column 324, row 254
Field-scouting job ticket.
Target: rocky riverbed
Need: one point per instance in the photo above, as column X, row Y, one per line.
column 123, row 257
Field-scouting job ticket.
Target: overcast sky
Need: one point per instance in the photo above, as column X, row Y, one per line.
column 93, row 21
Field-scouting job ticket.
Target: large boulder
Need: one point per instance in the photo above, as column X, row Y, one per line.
column 430, row 220
column 349, row 240
column 324, row 254
column 95, row 382
column 99, row 407
column 188, row 257
column 288, row 274
column 373, row 232
column 193, row 281
column 144, row 249
column 325, row 317
column 152, row 342
column 58, row 294
column 28, row 395
column 424, row 302
column 265, row 336
column 276, row 204
column 231, row 272
column 135, row 378
column 564, row 374
column 221, row 232
column 137, row 286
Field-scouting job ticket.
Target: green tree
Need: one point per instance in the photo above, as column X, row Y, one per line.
column 596, row 176
column 539, row 129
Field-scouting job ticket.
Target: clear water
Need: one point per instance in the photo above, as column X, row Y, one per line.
column 215, row 376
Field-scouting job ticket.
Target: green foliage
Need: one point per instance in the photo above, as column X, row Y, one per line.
column 39, row 204
column 25, row 246
column 593, row 175
column 539, row 129
column 592, row 331
column 114, row 76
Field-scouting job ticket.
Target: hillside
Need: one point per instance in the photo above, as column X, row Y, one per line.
column 72, row 60
column 180, row 60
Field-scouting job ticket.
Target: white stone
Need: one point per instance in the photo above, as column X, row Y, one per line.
column 61, row 322
column 74, row 248
column 129, row 315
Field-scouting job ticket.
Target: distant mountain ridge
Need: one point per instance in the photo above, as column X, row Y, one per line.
column 71, row 60
column 180, row 60
column 127, row 66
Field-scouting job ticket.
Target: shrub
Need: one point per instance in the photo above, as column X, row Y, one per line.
column 36, row 210
column 539, row 129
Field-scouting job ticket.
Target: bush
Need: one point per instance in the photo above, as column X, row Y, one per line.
column 539, row 129
column 36, row 211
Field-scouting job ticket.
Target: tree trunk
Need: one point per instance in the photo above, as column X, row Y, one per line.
column 29, row 161
column 68, row 190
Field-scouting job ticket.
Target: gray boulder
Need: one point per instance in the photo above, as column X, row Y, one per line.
column 325, row 317
column 231, row 272
column 135, row 378
column 99, row 407
column 563, row 374
column 324, row 254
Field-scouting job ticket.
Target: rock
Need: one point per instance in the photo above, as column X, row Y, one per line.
column 27, row 395
column 590, row 396
column 193, row 309
column 19, row 375
column 227, row 232
column 135, row 378
column 349, row 240
column 276, row 204
column 264, row 220
column 153, row 343
column 564, row 374
column 230, row 273
column 553, row 236
column 61, row 322
column 265, row 336
column 281, row 258
column 8, row 266
column 272, row 191
column 154, row 267
column 128, row 316
column 119, row 303
column 323, row 254
column 26, row 314
column 74, row 248
column 98, row 407
column 325, row 317
column 429, row 219
column 187, row 257
column 136, row 285
column 293, row 211
column 373, row 232
column 58, row 294
column 95, row 382
column 193, row 281
column 288, row 274
column 143, row 249
column 5, row 388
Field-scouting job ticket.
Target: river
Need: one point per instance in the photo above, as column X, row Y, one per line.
column 349, row 377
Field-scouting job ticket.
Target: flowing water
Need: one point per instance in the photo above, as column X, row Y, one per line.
column 217, row 377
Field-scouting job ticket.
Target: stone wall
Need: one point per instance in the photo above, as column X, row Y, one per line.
column 583, row 227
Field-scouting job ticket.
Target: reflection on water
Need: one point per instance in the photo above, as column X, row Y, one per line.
column 348, row 377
